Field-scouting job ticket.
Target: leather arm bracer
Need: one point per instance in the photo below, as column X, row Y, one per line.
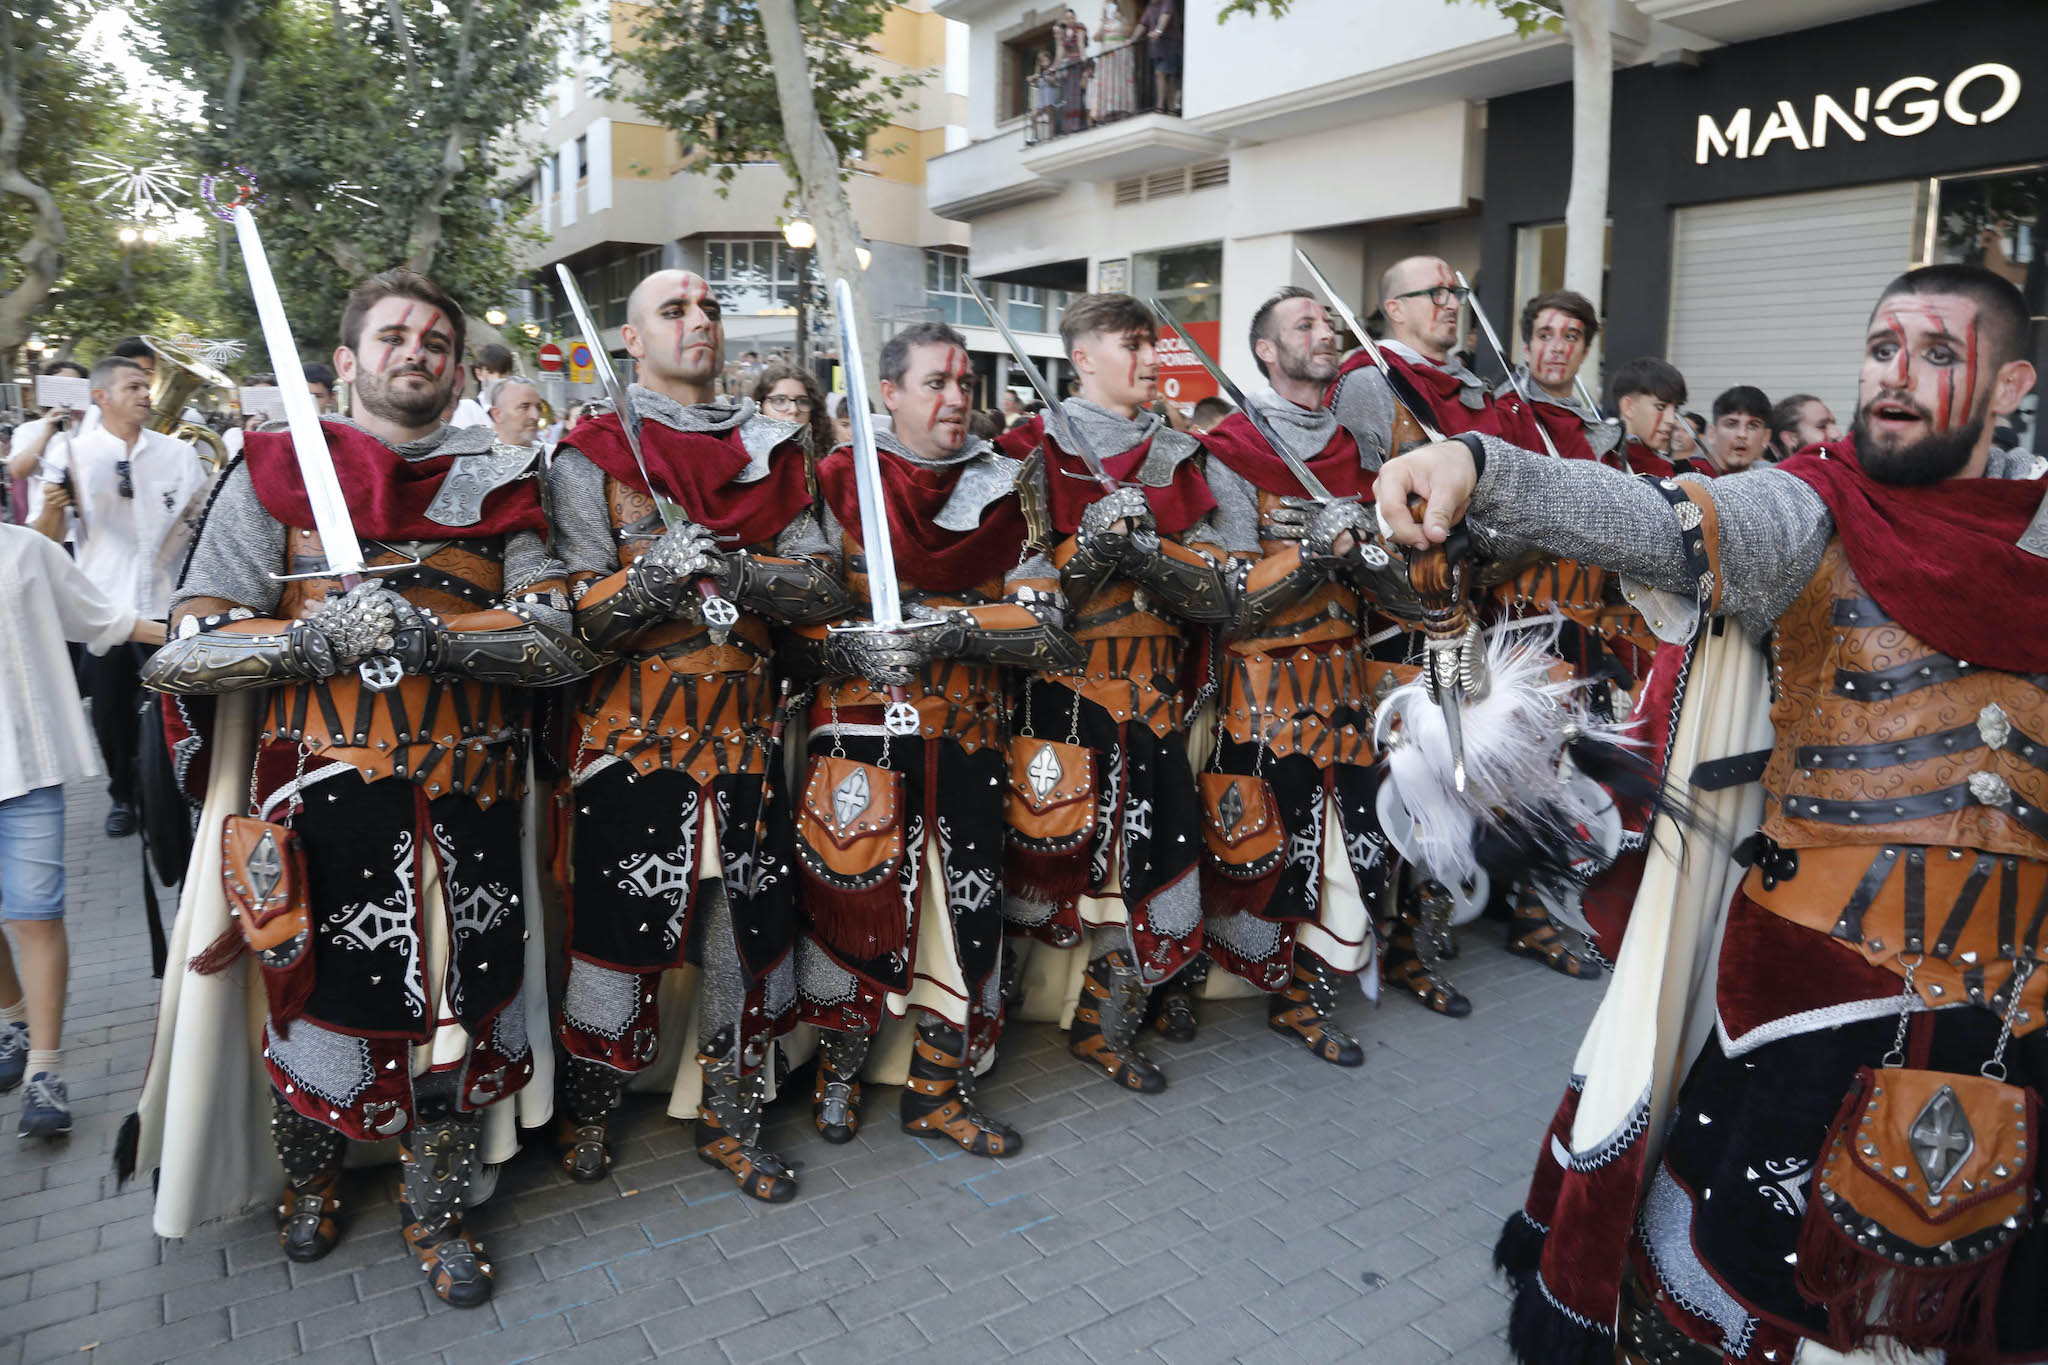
column 507, row 647
column 617, row 608
column 1087, row 561
column 1019, row 635
column 802, row 656
column 801, row 591
column 1192, row 584
column 1386, row 585
column 225, row 656
column 1266, row 587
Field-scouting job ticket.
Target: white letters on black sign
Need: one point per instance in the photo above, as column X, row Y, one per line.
column 1984, row 93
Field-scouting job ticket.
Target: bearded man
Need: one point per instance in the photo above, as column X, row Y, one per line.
column 1851, row 1160
column 681, row 851
column 374, row 864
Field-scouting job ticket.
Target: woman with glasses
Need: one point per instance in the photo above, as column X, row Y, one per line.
column 790, row 394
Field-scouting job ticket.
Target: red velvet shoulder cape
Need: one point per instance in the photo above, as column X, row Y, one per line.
column 1942, row 559
column 387, row 494
column 1070, row 488
column 1237, row 443
column 927, row 555
column 1437, row 388
column 696, row 468
column 1518, row 422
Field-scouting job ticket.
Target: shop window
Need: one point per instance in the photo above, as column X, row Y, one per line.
column 1996, row 221
column 1026, row 307
column 1188, row 280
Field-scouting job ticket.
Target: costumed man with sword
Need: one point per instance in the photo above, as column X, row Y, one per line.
column 1105, row 829
column 687, row 532
column 900, row 818
column 1294, row 844
column 377, row 591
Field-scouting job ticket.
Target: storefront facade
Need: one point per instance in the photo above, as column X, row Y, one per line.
column 1762, row 193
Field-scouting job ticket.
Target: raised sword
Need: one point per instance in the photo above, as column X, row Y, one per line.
column 718, row 612
column 1514, row 380
column 1372, row 348
column 1055, row 415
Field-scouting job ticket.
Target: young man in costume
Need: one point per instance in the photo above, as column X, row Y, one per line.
column 1650, row 396
column 1134, row 568
column 900, row 837
column 393, row 719
column 681, row 851
column 1853, row 1157
column 1294, row 722
column 1422, row 301
column 1558, row 331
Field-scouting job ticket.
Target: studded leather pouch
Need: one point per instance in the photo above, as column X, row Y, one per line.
column 849, row 827
column 1243, row 842
column 263, row 874
column 1920, row 1194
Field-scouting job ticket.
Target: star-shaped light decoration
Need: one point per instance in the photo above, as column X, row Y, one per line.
column 228, row 189
column 225, row 351
column 347, row 190
column 144, row 187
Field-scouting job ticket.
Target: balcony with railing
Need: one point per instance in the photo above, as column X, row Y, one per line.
column 1109, row 115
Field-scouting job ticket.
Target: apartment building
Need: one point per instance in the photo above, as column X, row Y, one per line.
column 1360, row 130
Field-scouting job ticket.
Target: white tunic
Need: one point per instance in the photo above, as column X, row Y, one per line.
column 45, row 600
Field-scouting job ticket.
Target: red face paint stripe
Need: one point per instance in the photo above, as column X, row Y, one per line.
column 1904, row 350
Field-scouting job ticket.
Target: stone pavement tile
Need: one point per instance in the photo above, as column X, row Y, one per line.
column 74, row 1332
column 1209, row 1343
column 259, row 1348
column 1457, row 1325
column 601, row 1317
column 45, row 1309
column 218, row 1291
column 101, row 1265
column 847, row 1204
column 288, row 1305
column 1049, row 1275
column 1058, row 1315
column 427, row 1337
column 787, row 1293
column 957, row 1313
column 716, row 1278
column 1312, row 1296
column 682, row 1328
column 552, row 1296
column 1084, row 1224
column 736, row 1239
column 885, row 1339
column 1301, row 1256
column 1129, row 1331
column 165, row 1343
column 576, row 1254
column 1221, row 1291
column 996, row 1258
column 533, row 1341
column 1380, row 1312
column 886, row 1296
column 620, row 1348
column 361, row 1319
column 1139, row 1281
column 783, row 1335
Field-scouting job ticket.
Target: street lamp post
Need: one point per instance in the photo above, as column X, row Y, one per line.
column 802, row 235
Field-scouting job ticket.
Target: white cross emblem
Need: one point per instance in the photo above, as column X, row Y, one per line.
column 1941, row 1139
column 1045, row 772
column 850, row 798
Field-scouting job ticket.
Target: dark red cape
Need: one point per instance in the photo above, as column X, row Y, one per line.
column 927, row 555
column 1070, row 488
column 1518, row 423
column 1237, row 443
column 1643, row 460
column 387, row 494
column 696, row 468
column 1942, row 559
column 1435, row 387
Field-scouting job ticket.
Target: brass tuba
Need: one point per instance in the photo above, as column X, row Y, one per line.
column 179, row 376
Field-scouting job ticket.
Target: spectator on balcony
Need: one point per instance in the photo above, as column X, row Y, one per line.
column 1113, row 85
column 1160, row 24
column 1070, row 64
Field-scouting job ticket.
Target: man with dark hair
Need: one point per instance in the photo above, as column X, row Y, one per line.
column 320, row 382
column 138, row 350
column 138, row 496
column 1801, row 421
column 390, row 751
column 1422, row 300
column 1741, row 431
column 682, row 853
column 1119, row 912
column 33, row 441
column 1649, row 393
column 1558, row 331
column 1208, row 412
column 1293, row 728
column 907, row 918
column 1866, row 1085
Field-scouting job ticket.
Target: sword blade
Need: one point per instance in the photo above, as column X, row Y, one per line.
column 316, row 464
column 1315, row 486
column 1372, row 348
column 885, row 602
column 672, row 514
column 1514, row 380
column 1055, row 415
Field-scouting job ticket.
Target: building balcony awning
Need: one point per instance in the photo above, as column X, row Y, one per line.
column 1130, row 146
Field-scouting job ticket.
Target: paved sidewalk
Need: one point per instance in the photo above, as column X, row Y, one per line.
column 1266, row 1208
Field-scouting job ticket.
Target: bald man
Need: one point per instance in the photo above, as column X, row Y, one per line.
column 1421, row 300
column 681, row 851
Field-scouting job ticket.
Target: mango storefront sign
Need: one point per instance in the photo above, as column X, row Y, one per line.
column 1904, row 107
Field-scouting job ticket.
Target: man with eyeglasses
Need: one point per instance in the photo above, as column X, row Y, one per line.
column 138, row 496
column 1421, row 301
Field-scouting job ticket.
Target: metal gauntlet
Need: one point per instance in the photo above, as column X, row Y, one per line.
column 528, row 655
column 1196, row 592
column 1044, row 648
column 1257, row 607
column 1097, row 556
column 204, row 658
column 646, row 596
column 1383, row 579
column 800, row 591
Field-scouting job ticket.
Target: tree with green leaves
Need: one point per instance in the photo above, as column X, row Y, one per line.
column 378, row 133
column 787, row 81
column 1585, row 213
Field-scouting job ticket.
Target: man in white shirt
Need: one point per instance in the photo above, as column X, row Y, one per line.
column 45, row 600
column 493, row 363
column 138, row 496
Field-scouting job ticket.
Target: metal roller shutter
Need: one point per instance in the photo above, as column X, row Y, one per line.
column 1776, row 292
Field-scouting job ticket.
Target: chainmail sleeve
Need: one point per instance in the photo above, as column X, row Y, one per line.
column 580, row 515
column 1234, row 524
column 1773, row 526
column 528, row 561
column 239, row 546
column 804, row 537
column 1364, row 404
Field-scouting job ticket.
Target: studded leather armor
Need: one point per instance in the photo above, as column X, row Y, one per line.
column 1906, row 797
column 1287, row 685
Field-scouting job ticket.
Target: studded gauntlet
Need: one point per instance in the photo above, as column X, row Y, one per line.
column 511, row 647
column 800, row 591
column 237, row 650
column 1022, row 634
column 1194, row 586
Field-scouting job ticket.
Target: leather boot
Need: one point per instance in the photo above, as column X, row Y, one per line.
column 1414, row 950
column 1106, row 1022
column 939, row 1099
column 1306, row 1007
column 307, row 1223
column 729, row 1130
column 1531, row 934
column 1176, row 1020
column 438, row 1164
column 591, row 1090
column 835, row 1101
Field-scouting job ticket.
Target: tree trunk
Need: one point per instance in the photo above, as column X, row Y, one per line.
column 42, row 255
column 817, row 174
column 1585, row 209
column 424, row 238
